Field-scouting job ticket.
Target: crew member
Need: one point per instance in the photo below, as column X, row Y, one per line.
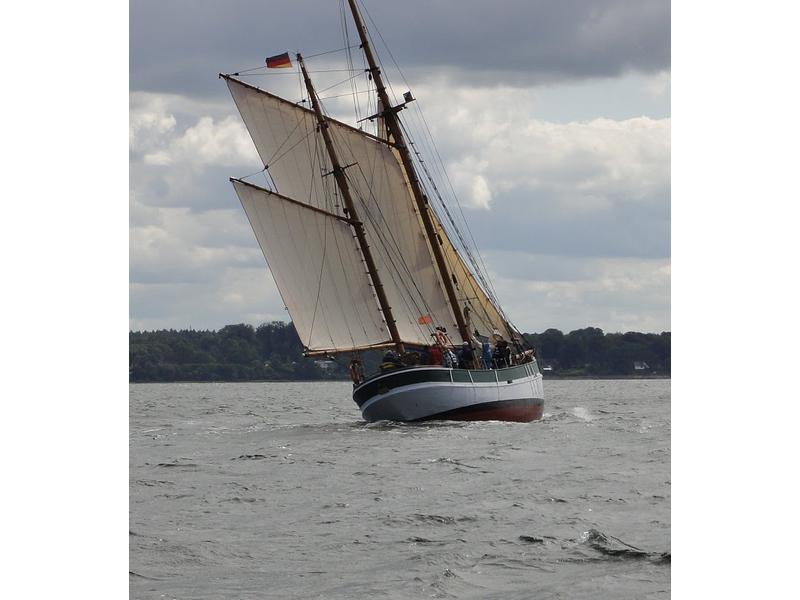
column 486, row 355
column 390, row 361
column 449, row 359
column 436, row 355
column 465, row 356
column 356, row 371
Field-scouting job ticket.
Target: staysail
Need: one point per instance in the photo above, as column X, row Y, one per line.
column 318, row 270
column 286, row 139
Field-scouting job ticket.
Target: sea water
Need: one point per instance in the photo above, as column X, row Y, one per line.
column 281, row 490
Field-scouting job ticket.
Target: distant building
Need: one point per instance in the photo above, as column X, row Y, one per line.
column 640, row 365
column 325, row 365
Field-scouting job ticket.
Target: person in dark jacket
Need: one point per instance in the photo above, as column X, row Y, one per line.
column 425, row 355
column 501, row 355
column 465, row 356
column 390, row 361
column 486, row 355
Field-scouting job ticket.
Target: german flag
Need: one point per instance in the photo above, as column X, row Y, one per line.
column 281, row 61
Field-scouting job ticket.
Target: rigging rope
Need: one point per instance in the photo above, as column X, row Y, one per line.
column 329, row 52
column 481, row 273
column 349, row 56
column 371, row 208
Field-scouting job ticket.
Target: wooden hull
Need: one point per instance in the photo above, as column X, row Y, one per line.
column 437, row 393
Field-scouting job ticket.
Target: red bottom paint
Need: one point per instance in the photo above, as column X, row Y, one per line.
column 519, row 411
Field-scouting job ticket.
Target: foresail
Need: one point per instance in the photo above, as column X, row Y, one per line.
column 287, row 142
column 318, row 269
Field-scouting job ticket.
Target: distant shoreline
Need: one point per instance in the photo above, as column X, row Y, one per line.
column 273, row 352
column 547, row 378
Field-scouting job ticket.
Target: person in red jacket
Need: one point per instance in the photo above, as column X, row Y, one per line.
column 436, row 355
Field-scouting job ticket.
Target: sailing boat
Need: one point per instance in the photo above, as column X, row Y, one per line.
column 363, row 262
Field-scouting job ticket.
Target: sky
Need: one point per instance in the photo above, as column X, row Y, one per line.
column 551, row 117
column 735, row 216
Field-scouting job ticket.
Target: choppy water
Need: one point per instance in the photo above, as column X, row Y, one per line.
column 279, row 490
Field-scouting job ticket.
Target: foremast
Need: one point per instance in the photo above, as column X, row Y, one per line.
column 392, row 122
column 350, row 210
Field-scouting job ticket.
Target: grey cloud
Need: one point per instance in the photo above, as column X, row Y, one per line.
column 179, row 46
column 527, row 221
column 201, row 190
column 566, row 244
column 539, row 291
column 233, row 295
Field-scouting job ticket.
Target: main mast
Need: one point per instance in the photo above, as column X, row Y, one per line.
column 393, row 126
column 350, row 209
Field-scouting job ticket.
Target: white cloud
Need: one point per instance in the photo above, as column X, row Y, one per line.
column 221, row 141
column 471, row 187
column 194, row 260
column 621, row 294
column 199, row 269
column 177, row 245
column 149, row 123
column 233, row 295
column 495, row 144
column 658, row 85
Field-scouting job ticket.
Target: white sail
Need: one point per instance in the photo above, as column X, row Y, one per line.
column 287, row 142
column 318, row 269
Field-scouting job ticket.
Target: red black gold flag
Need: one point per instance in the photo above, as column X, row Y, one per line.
column 281, row 61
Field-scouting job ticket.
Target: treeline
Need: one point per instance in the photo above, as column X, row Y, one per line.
column 273, row 351
column 589, row 351
column 234, row 353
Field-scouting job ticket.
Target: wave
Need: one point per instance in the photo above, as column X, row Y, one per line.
column 582, row 413
column 452, row 462
column 252, row 457
column 140, row 576
column 611, row 546
column 531, row 539
column 177, row 463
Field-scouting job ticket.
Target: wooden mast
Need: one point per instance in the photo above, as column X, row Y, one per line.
column 350, row 210
column 393, row 126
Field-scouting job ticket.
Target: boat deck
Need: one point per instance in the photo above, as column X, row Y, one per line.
column 466, row 375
